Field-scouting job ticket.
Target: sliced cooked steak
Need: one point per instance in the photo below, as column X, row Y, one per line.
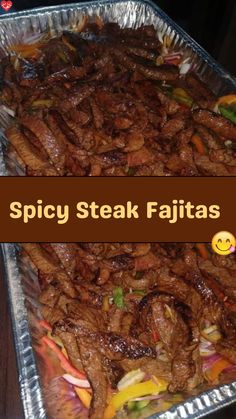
column 53, row 147
column 66, row 252
column 29, row 153
column 199, row 91
column 92, row 361
column 218, row 124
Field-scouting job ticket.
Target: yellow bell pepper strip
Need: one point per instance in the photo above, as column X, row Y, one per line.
column 58, row 341
column 167, row 41
column 181, row 96
column 178, row 91
column 132, row 392
column 105, row 303
column 84, row 396
column 131, row 378
column 63, row 57
column 213, row 373
column 110, row 412
column 201, row 247
column 65, row 364
column 211, row 334
column 227, row 107
column 67, row 43
column 27, row 50
column 197, row 141
column 226, row 100
column 42, row 103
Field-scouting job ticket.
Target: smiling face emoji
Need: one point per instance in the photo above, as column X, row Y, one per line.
column 223, row 243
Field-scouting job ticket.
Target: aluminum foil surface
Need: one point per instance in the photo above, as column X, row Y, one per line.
column 20, row 276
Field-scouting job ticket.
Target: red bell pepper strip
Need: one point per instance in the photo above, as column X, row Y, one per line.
column 65, row 364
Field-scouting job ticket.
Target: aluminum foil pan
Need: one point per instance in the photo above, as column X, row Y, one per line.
column 30, row 389
column 18, row 27
column 23, row 288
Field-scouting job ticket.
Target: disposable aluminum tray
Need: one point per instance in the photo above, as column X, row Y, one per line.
column 23, row 288
column 20, row 277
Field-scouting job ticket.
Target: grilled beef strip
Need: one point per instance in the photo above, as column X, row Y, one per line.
column 216, row 123
column 29, row 154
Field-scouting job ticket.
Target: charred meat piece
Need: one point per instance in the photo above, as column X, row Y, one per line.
column 181, row 290
column 117, row 347
column 52, row 146
column 110, row 159
column 199, row 91
column 168, row 73
column 170, row 105
column 209, row 168
column 71, row 74
column 218, row 124
column 29, row 153
column 120, row 262
column 40, row 258
column 110, row 344
column 93, row 365
column 66, row 253
column 172, row 127
column 74, row 97
column 47, row 266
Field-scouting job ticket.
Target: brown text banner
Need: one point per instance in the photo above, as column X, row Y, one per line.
column 100, row 209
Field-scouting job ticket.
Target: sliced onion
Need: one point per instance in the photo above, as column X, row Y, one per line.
column 173, row 56
column 210, row 329
column 184, row 68
column 160, row 37
column 76, row 381
column 206, row 348
column 211, row 333
column 207, row 353
column 132, row 377
column 208, row 362
column 153, row 397
column 228, row 143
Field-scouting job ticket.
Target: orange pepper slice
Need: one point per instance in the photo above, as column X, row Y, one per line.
column 197, row 141
column 213, row 373
column 202, row 250
column 226, row 100
column 84, row 396
column 65, row 364
column 27, row 50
